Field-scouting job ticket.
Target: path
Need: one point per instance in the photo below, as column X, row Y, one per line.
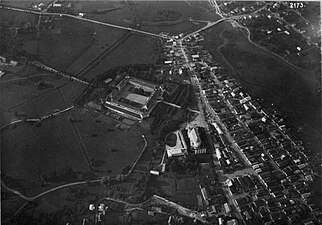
column 48, row 191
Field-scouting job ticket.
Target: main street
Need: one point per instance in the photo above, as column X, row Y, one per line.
column 195, row 83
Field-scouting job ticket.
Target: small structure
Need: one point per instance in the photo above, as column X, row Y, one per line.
column 226, row 208
column 57, row 5
column 154, row 172
column 232, row 222
column 13, row 63
column 101, row 207
column 108, row 80
column 2, row 73
column 91, row 207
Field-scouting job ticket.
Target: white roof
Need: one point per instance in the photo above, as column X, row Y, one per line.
column 194, row 137
column 180, row 148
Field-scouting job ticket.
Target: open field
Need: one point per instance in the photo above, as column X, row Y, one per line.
column 208, row 15
column 59, row 50
column 136, row 49
column 175, row 28
column 181, row 190
column 57, row 47
column 160, row 11
column 62, row 147
column 20, row 88
column 7, row 16
column 103, row 39
column 30, row 152
column 119, row 14
column 89, row 6
column 107, row 145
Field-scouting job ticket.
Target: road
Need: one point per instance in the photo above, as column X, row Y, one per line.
column 84, row 19
column 138, row 157
column 214, row 4
column 45, row 67
column 48, row 191
column 280, row 57
column 209, row 25
column 33, row 120
column 28, row 199
column 195, row 82
column 160, row 200
column 24, row 78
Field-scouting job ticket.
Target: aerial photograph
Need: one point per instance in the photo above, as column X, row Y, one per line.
column 160, row 112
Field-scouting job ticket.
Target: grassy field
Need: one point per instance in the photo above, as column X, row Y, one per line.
column 16, row 17
column 103, row 39
column 176, row 28
column 14, row 84
column 28, row 151
column 60, row 49
column 71, row 142
column 107, row 145
column 120, row 16
column 136, row 49
column 72, row 147
column 208, row 15
column 158, row 11
column 181, row 190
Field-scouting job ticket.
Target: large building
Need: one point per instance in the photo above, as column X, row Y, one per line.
column 134, row 98
column 193, row 135
column 175, row 144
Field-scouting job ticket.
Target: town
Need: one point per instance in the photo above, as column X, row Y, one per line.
column 185, row 141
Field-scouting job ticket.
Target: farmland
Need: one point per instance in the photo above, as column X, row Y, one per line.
column 166, row 11
column 71, row 147
column 102, row 40
column 134, row 50
column 60, row 49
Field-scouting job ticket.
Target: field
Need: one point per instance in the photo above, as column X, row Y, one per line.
column 181, row 190
column 66, row 148
column 60, row 49
column 103, row 39
column 136, row 49
column 16, row 18
column 164, row 11
column 120, row 15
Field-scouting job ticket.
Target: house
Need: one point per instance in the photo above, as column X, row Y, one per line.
column 226, row 208
column 154, row 172
column 108, row 80
column 57, row 5
column 13, row 63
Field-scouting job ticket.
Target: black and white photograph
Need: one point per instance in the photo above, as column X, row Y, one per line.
column 160, row 112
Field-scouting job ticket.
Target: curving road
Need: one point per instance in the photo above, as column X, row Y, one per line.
column 48, row 191
column 163, row 201
column 33, row 120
